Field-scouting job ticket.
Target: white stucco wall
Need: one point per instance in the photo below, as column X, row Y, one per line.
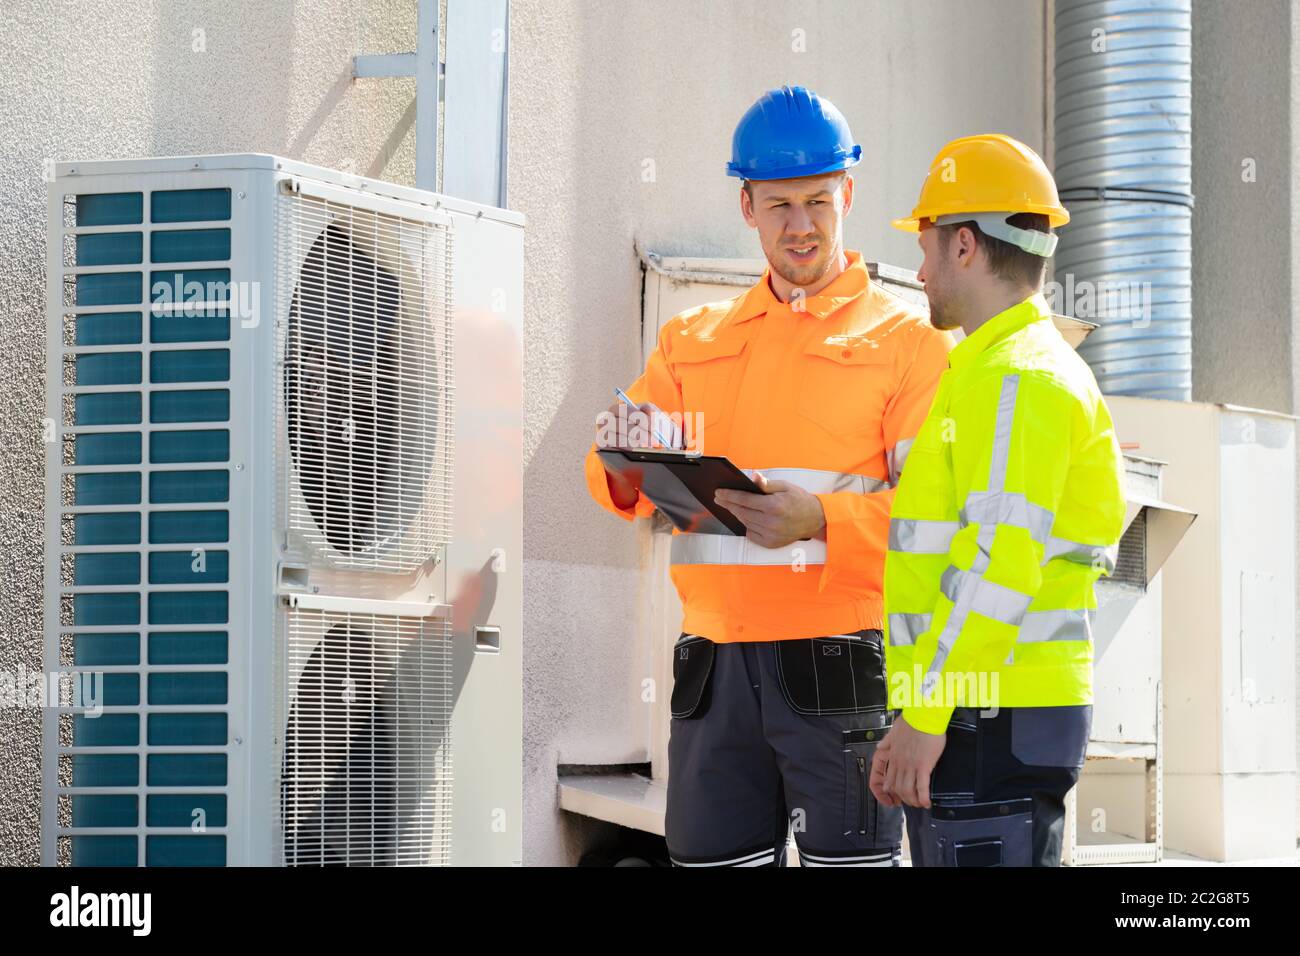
column 1246, row 222
column 599, row 91
column 598, row 88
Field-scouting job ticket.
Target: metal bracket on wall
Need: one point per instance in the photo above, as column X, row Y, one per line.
column 472, row 156
column 427, row 68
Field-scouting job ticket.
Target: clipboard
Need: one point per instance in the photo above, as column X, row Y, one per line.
column 682, row 484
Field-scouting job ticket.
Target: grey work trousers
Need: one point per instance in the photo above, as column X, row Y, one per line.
column 769, row 735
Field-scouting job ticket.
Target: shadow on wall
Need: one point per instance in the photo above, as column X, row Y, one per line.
column 403, row 128
column 224, row 81
column 233, row 65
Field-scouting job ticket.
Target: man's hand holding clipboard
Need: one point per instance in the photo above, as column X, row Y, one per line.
column 781, row 515
column 702, row 492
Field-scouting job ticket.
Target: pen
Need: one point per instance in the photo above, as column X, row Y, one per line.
column 635, row 407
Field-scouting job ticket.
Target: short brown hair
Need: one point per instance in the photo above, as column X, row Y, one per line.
column 1005, row 260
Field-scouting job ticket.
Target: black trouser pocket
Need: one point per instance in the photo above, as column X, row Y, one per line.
column 866, row 820
column 999, row 833
column 821, row 676
column 692, row 667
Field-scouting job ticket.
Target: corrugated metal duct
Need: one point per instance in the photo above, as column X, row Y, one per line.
column 1124, row 168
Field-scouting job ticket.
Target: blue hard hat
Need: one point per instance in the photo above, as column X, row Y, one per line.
column 791, row 132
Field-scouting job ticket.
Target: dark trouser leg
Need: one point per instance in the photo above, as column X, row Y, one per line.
column 725, row 805
column 998, row 791
column 823, row 712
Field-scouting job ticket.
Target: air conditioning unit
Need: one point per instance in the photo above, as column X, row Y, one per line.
column 280, row 592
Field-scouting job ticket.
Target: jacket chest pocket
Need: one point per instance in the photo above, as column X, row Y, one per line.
column 934, row 439
column 928, row 472
column 708, row 371
column 841, row 386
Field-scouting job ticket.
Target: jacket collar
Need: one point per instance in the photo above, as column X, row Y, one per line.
column 850, row 284
column 998, row 328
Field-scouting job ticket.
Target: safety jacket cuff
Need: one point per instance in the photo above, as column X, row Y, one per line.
column 834, row 516
column 598, row 486
column 928, row 720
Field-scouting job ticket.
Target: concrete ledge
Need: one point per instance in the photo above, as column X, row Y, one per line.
column 628, row 799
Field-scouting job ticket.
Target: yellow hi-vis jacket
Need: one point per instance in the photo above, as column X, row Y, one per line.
column 1009, row 507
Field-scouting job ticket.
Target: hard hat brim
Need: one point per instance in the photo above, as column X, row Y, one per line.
column 1056, row 215
column 792, row 172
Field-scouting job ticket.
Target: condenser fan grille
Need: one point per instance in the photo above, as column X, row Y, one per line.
column 365, row 768
column 364, row 305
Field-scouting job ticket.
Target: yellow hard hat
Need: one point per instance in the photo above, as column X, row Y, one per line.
column 986, row 173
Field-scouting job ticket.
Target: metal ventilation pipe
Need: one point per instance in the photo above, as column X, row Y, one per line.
column 1124, row 169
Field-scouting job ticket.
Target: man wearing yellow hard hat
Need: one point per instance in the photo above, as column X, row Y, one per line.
column 1008, row 510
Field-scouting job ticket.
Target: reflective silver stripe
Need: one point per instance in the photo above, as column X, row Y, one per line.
column 1093, row 555
column 917, row 536
column 887, row 858
column 984, row 539
column 967, row 589
column 904, row 629
column 1070, row 625
column 887, row 861
column 984, row 597
column 1010, row 508
column 823, row 858
column 1002, row 432
column 896, row 457
column 761, row 858
column 970, row 592
column 994, row 507
column 733, row 549
column 818, row 482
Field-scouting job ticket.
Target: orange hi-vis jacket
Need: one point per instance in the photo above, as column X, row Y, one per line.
column 826, row 393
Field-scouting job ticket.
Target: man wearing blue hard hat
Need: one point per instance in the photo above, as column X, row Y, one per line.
column 817, row 379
